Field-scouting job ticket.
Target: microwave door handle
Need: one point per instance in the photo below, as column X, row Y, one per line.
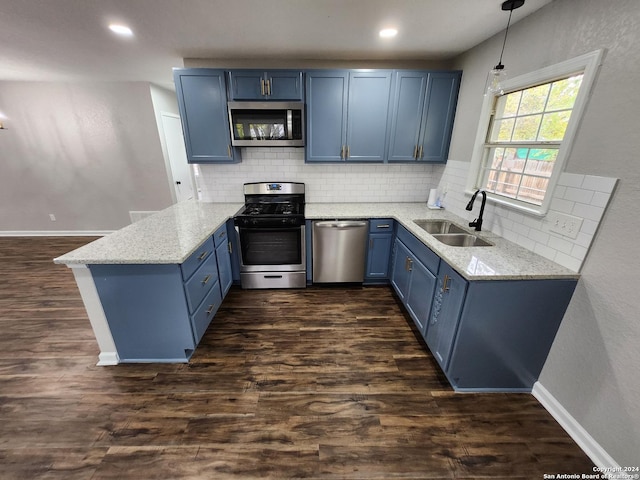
column 290, row 124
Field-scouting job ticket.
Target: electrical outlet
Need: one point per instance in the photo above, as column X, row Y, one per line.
column 567, row 225
column 52, row 217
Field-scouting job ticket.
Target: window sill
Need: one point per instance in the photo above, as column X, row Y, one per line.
column 505, row 202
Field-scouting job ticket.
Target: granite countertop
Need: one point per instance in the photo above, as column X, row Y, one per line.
column 171, row 235
column 503, row 261
column 168, row 236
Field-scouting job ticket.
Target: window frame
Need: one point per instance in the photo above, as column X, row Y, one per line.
column 586, row 64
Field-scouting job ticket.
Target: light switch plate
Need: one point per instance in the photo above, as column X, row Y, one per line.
column 566, row 225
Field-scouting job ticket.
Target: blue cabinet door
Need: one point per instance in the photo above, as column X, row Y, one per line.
column 420, row 295
column 378, row 256
column 406, row 117
column 285, row 85
column 326, row 115
column 367, row 113
column 400, row 273
column 437, row 121
column 202, row 101
column 246, row 85
column 234, row 248
column 421, row 121
column 447, row 306
column 270, row 85
column 224, row 267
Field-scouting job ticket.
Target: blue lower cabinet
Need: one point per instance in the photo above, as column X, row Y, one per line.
column 378, row 255
column 205, row 312
column 223, row 255
column 159, row 313
column 400, row 273
column 489, row 335
column 147, row 312
column 447, row 305
column 234, row 248
column 200, row 282
column 308, row 251
column 379, row 252
column 420, row 294
column 504, row 333
column 414, row 283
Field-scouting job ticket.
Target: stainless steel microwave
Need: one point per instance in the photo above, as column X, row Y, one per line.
column 257, row 124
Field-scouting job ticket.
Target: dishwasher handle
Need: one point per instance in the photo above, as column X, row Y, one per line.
column 341, row 224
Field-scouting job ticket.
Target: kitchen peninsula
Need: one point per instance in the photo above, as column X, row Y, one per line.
column 501, row 283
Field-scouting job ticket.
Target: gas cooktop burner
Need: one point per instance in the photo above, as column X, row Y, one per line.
column 271, row 209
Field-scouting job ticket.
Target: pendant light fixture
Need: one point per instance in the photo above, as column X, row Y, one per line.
column 498, row 74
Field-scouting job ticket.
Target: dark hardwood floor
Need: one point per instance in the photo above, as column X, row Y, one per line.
column 322, row 383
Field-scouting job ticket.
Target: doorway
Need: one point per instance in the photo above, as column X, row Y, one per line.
column 182, row 176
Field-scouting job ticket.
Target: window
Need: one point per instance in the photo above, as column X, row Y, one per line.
column 526, row 133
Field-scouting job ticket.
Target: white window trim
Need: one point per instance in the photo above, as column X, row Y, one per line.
column 588, row 64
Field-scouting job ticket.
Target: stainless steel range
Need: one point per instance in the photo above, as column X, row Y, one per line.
column 271, row 234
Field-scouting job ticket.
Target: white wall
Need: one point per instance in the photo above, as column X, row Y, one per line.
column 86, row 152
column 594, row 365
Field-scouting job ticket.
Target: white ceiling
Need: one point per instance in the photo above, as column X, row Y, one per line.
column 62, row 40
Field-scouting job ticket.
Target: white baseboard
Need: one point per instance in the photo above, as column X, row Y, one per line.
column 586, row 442
column 55, row 233
column 108, row 358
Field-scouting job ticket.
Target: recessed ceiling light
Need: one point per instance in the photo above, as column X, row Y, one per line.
column 121, row 30
column 388, row 32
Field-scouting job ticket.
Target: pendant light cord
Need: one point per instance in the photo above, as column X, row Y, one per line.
column 506, row 32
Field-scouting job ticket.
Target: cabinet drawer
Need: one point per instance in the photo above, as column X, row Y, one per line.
column 197, row 258
column 381, row 225
column 419, row 249
column 201, row 282
column 220, row 236
column 201, row 319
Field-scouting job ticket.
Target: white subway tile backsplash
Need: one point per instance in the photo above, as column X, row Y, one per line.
column 600, row 199
column 579, row 251
column 578, row 195
column 568, row 261
column 561, row 205
column 325, row 182
column 571, row 179
column 560, row 244
column 584, row 196
column 589, row 212
column 599, row 184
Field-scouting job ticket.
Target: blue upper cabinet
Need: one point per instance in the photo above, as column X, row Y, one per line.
column 421, row 120
column 202, row 101
column 347, row 115
column 326, row 115
column 270, row 85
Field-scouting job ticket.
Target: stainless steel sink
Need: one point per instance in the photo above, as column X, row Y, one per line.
column 461, row 240
column 439, row 226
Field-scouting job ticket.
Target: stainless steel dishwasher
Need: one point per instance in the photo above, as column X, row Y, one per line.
column 339, row 250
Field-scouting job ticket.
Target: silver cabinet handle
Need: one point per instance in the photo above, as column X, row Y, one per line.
column 445, row 283
column 385, row 225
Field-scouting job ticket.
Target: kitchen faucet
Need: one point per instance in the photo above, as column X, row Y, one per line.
column 477, row 223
